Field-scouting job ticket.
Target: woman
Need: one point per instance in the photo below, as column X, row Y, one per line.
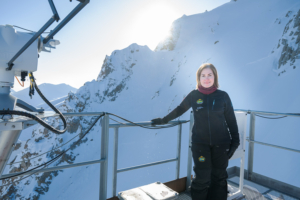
column 212, row 143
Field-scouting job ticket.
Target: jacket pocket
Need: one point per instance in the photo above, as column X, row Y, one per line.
column 217, row 105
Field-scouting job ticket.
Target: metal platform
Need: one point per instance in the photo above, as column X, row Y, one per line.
column 252, row 191
column 256, row 191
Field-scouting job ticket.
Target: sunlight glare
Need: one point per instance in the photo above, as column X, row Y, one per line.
column 153, row 24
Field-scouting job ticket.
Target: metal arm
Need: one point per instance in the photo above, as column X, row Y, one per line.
column 55, row 17
column 81, row 5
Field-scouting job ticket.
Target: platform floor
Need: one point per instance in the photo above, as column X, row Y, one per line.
column 256, row 191
column 252, row 191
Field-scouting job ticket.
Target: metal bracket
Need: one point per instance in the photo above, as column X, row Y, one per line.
column 11, row 126
column 28, row 107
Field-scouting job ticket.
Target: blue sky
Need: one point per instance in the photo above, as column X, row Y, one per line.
column 100, row 28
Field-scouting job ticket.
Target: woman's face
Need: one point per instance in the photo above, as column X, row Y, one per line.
column 207, row 78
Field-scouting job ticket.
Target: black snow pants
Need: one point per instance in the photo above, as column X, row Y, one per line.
column 210, row 166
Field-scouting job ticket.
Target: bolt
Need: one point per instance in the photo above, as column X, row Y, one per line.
column 13, row 126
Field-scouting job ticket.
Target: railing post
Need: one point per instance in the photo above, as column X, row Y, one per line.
column 115, row 163
column 189, row 161
column 104, row 155
column 251, row 146
column 178, row 150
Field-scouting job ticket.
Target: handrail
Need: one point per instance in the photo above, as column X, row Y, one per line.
column 145, row 165
column 272, row 145
column 146, row 123
column 268, row 113
column 116, row 126
column 252, row 140
column 115, row 154
column 50, row 169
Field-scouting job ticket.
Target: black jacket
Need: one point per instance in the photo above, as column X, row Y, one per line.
column 213, row 115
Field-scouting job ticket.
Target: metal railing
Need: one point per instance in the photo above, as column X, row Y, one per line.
column 104, row 149
column 115, row 155
column 251, row 138
column 104, row 152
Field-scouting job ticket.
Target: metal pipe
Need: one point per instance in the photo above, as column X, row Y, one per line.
column 189, row 161
column 7, row 140
column 242, row 160
column 115, row 163
column 182, row 121
column 251, row 146
column 146, row 165
column 65, row 20
column 104, row 156
column 271, row 145
column 147, row 123
column 269, row 113
column 172, row 122
column 178, row 150
column 56, row 16
column 52, row 114
column 55, row 168
column 82, row 114
column 47, row 114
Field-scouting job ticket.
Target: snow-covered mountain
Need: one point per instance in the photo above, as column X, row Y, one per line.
column 254, row 45
column 54, row 93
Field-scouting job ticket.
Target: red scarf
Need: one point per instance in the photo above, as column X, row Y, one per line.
column 209, row 90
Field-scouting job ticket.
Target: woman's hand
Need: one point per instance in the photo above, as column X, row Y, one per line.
column 158, row 121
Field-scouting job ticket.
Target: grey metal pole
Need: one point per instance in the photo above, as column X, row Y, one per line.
column 189, row 164
column 146, row 165
column 7, row 140
column 251, row 146
column 275, row 146
column 104, row 155
column 50, row 169
column 178, row 150
column 115, row 163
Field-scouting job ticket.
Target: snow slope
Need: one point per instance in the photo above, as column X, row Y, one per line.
column 254, row 45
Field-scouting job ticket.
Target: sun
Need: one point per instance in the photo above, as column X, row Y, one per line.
column 152, row 23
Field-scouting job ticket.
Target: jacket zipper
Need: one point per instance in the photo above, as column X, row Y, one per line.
column 208, row 120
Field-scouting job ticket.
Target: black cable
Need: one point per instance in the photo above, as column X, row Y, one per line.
column 148, row 127
column 52, row 160
column 30, row 174
column 142, row 125
column 121, row 122
column 49, row 104
column 270, row 117
column 36, row 118
column 29, row 115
